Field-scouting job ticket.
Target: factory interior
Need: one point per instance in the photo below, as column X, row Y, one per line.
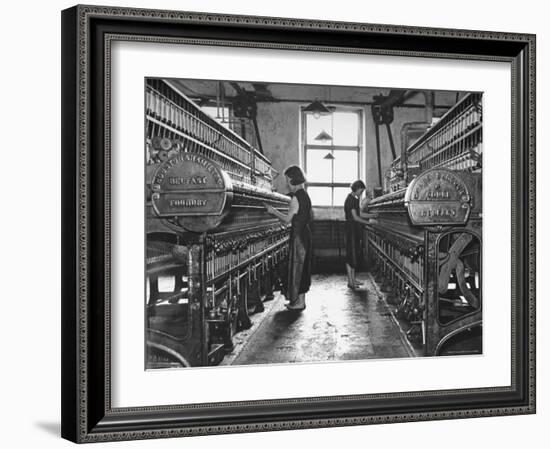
column 218, row 262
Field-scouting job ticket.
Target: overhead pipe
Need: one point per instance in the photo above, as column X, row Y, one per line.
column 378, row 155
column 416, row 126
column 394, row 98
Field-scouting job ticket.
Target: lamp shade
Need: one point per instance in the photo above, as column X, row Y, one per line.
column 323, row 135
column 329, row 156
column 317, row 108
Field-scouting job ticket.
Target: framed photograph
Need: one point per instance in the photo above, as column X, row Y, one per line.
column 276, row 224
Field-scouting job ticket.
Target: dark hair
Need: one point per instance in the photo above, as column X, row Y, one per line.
column 356, row 185
column 295, row 174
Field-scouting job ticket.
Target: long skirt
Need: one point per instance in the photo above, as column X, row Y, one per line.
column 353, row 244
column 299, row 264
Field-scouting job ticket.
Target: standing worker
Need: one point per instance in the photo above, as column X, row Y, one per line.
column 353, row 230
column 300, row 250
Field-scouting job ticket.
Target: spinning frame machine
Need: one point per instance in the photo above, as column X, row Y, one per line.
column 213, row 252
column 211, row 242
column 425, row 246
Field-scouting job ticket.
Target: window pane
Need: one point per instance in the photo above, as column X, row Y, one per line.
column 316, row 126
column 320, row 196
column 318, row 168
column 340, row 195
column 345, row 128
column 345, row 166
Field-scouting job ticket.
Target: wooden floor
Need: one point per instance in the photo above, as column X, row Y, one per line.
column 338, row 324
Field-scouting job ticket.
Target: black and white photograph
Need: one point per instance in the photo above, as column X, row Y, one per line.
column 303, row 223
column 271, row 225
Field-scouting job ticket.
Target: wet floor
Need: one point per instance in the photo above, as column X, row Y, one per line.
column 338, row 324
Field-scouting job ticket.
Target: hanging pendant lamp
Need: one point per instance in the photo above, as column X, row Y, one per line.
column 323, row 136
column 317, row 108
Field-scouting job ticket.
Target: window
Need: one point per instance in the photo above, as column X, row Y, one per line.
column 332, row 150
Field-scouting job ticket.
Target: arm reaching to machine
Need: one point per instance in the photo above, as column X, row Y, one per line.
column 362, row 218
column 285, row 218
column 363, row 214
column 367, row 216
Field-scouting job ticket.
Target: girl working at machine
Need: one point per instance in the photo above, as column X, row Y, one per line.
column 353, row 230
column 300, row 250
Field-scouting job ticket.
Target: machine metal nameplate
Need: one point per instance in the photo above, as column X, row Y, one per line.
column 189, row 185
column 438, row 197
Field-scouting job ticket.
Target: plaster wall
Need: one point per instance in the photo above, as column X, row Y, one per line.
column 279, row 125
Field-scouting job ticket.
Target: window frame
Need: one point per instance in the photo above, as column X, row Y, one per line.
column 359, row 148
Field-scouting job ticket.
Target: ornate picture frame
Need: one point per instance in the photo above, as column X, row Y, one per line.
column 88, row 33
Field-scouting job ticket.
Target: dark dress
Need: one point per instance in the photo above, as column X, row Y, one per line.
column 300, row 249
column 353, row 232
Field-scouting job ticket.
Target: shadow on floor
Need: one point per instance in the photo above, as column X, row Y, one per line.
column 284, row 318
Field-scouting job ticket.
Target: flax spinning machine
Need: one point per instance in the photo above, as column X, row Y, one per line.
column 425, row 246
column 213, row 252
